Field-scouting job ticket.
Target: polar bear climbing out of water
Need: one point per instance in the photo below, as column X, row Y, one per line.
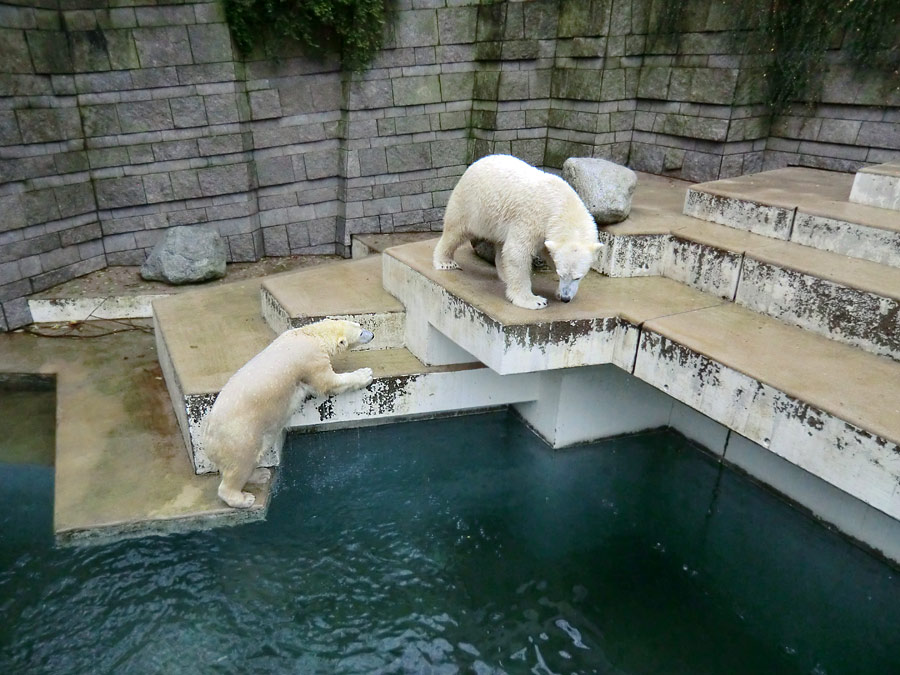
column 255, row 405
column 520, row 209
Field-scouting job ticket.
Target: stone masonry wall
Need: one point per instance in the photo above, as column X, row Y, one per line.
column 120, row 118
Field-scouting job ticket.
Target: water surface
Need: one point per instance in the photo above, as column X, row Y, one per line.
column 458, row 545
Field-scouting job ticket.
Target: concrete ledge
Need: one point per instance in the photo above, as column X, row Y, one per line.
column 878, row 186
column 805, row 206
column 346, row 290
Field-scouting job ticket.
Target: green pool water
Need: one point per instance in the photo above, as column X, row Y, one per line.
column 461, row 545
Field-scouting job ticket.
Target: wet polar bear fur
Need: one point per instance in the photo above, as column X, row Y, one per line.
column 255, row 405
column 520, row 209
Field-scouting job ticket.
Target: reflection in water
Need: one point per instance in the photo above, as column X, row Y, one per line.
column 463, row 545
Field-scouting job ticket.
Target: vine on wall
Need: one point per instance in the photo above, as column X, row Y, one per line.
column 350, row 28
column 794, row 38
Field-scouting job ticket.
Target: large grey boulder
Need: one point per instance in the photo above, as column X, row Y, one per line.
column 186, row 255
column 606, row 188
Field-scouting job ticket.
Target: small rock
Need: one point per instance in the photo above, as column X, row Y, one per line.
column 186, row 255
column 605, row 187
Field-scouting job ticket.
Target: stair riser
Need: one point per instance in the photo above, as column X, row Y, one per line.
column 873, row 189
column 841, row 313
column 388, row 327
column 845, row 314
column 827, row 234
column 838, row 236
column 769, row 221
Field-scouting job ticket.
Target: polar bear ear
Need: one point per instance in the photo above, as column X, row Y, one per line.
column 551, row 246
column 342, row 342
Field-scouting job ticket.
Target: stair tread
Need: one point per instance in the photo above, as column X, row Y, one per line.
column 652, row 215
column 211, row 333
column 346, row 287
column 812, row 191
column 852, row 384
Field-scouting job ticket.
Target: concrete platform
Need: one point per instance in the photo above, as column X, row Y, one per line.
column 204, row 337
column 847, row 299
column 878, row 186
column 806, row 206
column 346, row 290
column 828, row 408
column 121, row 469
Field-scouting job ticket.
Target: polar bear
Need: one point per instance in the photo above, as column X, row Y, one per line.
column 521, row 209
column 254, row 406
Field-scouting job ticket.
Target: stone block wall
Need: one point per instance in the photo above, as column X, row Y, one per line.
column 120, row 118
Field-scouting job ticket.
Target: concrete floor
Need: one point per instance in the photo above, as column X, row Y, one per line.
column 121, row 466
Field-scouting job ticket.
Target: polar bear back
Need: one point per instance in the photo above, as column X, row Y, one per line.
column 499, row 192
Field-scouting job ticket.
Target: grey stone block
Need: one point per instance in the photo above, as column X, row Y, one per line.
column 456, row 24
column 372, row 161
column 451, row 152
column 14, row 53
column 120, row 192
column 210, row 43
column 100, row 120
column 145, row 116
column 74, row 199
column 274, row 171
column 418, row 90
column 170, row 150
column 163, row 46
column 71, row 162
column 413, row 124
column 60, row 257
column 265, row 104
column 714, row 85
column 227, row 179
column 321, row 164
column 16, row 313
column 188, row 254
column 158, row 188
column 88, row 51
column 12, row 212
column 605, row 187
column 839, row 131
column 40, row 206
column 880, row 135
column 220, row 145
column 80, row 234
column 411, row 157
column 129, row 258
column 9, row 128
column 44, row 47
column 43, row 125
column 275, row 241
column 188, row 111
column 221, row 108
column 415, row 28
column 457, row 86
column 104, row 157
column 164, row 15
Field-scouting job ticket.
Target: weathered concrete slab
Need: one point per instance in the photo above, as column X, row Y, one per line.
column 121, row 469
column 468, row 307
column 847, row 299
column 346, row 290
column 806, row 206
column 878, row 186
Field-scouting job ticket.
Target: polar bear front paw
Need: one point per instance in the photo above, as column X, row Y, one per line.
column 531, row 302
column 446, row 265
column 364, row 375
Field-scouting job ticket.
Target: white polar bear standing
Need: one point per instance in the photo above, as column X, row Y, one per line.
column 255, row 405
column 520, row 209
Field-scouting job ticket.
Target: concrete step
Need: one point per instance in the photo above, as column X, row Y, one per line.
column 347, row 290
column 806, row 206
column 205, row 336
column 831, row 409
column 854, row 301
column 878, row 186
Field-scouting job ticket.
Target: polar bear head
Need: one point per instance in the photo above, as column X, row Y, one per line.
column 572, row 260
column 338, row 335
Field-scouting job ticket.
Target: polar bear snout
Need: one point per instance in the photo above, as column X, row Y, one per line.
column 567, row 289
column 365, row 336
